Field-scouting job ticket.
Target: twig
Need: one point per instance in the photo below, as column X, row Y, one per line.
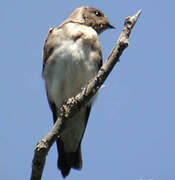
column 72, row 105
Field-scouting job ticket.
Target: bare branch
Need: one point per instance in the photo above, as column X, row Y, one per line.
column 74, row 104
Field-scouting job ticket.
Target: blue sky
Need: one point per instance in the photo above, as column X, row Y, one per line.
column 130, row 134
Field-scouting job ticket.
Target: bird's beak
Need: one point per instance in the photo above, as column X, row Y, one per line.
column 111, row 26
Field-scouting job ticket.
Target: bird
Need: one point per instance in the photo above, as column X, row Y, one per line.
column 72, row 56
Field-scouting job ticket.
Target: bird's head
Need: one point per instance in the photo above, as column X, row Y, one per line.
column 92, row 17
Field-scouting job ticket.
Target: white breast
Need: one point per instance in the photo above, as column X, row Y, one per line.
column 72, row 65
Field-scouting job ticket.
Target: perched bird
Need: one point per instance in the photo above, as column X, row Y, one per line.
column 72, row 56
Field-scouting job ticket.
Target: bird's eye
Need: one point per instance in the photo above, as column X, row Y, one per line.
column 97, row 13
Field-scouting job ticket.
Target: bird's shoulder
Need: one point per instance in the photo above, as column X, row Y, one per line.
column 52, row 41
column 77, row 31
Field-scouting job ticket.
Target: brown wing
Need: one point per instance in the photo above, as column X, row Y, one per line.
column 49, row 46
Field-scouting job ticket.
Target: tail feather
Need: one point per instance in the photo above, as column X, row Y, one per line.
column 66, row 161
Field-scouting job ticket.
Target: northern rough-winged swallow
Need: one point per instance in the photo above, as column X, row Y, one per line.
column 72, row 56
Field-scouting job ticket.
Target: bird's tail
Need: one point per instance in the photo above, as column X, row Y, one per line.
column 66, row 161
